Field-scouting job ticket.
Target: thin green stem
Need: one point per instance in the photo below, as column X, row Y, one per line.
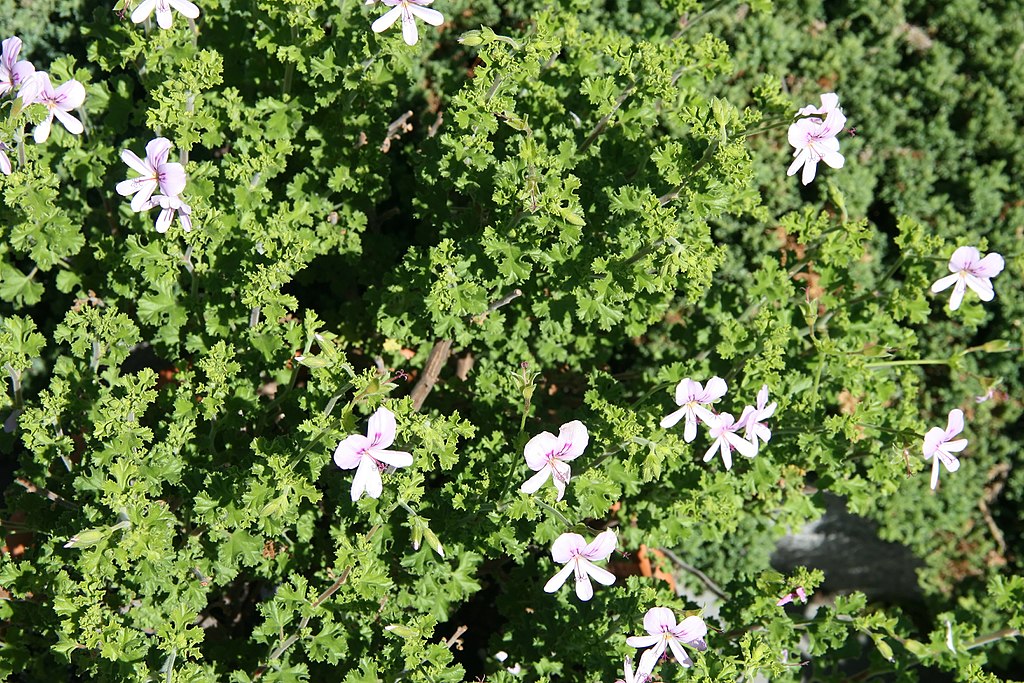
column 920, row 361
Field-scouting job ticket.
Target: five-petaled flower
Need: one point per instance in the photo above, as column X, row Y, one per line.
column 154, row 173
column 939, row 445
column 970, row 270
column 722, row 428
column 368, row 454
column 693, row 397
column 578, row 556
column 408, row 10
column 753, row 417
column 170, row 206
column 549, row 455
column 163, row 11
column 13, row 72
column 815, row 138
column 58, row 102
column 663, row 631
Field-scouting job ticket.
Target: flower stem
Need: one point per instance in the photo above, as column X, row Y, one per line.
column 919, row 361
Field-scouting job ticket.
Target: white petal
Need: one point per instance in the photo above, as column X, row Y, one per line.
column 584, row 589
column 556, row 581
column 431, row 16
column 599, row 574
column 187, row 9
column 385, row 21
column 143, row 11
column 945, row 282
column 409, row 31
column 42, row 131
column 534, row 483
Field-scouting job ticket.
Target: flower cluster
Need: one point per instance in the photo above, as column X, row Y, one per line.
column 19, row 78
column 156, row 173
column 696, row 401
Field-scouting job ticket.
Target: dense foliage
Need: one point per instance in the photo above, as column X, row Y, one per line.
column 537, row 213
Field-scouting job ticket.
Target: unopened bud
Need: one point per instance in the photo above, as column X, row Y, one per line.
column 87, row 538
column 472, row 38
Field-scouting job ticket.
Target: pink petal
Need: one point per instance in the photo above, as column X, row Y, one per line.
column 163, row 221
column 556, row 581
column 566, row 547
column 744, row 447
column 659, row 620
column 599, row 574
column 963, row 259
column 70, row 95
column 382, row 427
column 349, row 452
column 584, row 589
column 172, row 179
column 156, row 153
column 136, row 164
column 186, row 8
column 42, row 130
column 829, row 102
column 672, row 419
column 990, row 266
column 573, row 438
column 680, row 654
column 690, row 629
column 800, row 133
column 957, row 297
column 932, row 439
column 431, row 16
column 367, row 479
column 73, row 125
column 539, row 448
column 642, row 641
column 143, row 11
column 715, row 389
column 393, row 458
column 533, row 484
column 601, row 547
column 385, row 21
column 945, row 282
column 981, row 286
column 410, row 34
column 686, row 391
column 955, row 423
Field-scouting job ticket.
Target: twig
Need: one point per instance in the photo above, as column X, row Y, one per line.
column 711, row 585
column 431, row 371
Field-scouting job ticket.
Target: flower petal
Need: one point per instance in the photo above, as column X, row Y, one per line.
column 385, row 21
column 382, row 428
column 964, row 258
column 714, row 390
column 539, row 448
column 556, row 581
column 42, row 130
column 957, row 297
column 143, row 11
column 642, row 641
column 810, row 168
column 601, row 547
column 990, row 266
column 75, row 127
column 982, row 286
column 172, row 179
column 599, row 574
column 70, row 95
column 672, row 419
column 163, row 221
column 573, row 438
column 393, row 458
column 682, row 658
column 945, row 282
column 955, row 422
column 690, row 629
column 156, row 154
column 410, row 34
column 658, row 620
column 367, row 479
column 431, row 16
column 135, row 163
column 534, row 483
column 566, row 547
column 349, row 452
column 584, row 589
column 186, row 8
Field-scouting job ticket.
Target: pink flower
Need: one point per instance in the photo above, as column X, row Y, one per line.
column 154, row 173
column 408, row 10
column 578, row 558
column 170, row 205
column 939, row 444
column 163, row 11
column 693, row 397
column 368, row 455
column 722, row 428
column 815, row 138
column 13, row 73
column 70, row 95
column 970, row 270
column 549, row 455
column 798, row 594
column 660, row 624
column 752, row 419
